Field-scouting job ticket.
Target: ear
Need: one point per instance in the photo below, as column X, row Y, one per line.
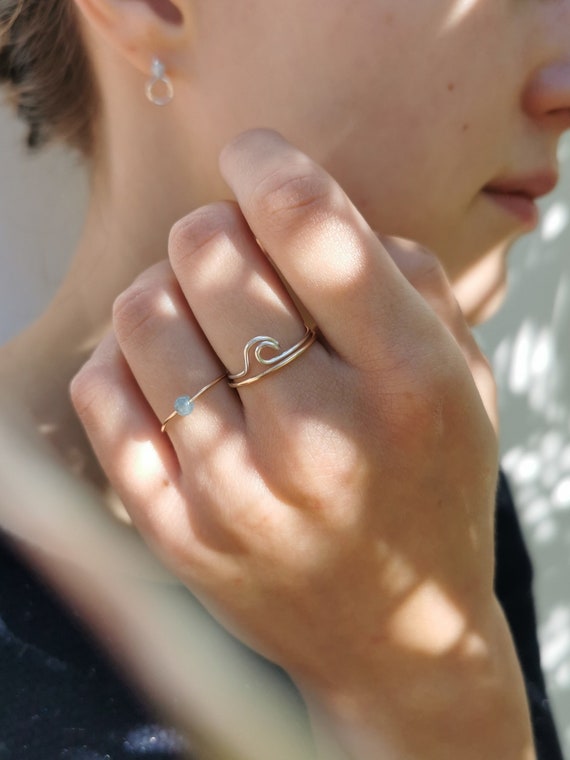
column 139, row 29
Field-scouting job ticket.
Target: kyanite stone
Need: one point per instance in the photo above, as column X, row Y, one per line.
column 183, row 405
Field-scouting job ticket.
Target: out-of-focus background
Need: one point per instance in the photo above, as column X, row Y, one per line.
column 528, row 341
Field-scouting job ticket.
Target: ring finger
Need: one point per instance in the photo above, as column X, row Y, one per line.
column 237, row 296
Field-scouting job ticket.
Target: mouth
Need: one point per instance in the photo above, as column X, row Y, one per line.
column 518, row 195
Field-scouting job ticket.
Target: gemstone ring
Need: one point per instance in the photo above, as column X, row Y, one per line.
column 184, row 405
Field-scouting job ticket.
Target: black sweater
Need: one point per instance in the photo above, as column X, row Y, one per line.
column 62, row 700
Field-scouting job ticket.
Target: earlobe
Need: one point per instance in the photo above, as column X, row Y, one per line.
column 138, row 29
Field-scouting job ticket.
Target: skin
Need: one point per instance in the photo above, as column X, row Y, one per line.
column 283, row 505
column 408, row 75
column 366, row 402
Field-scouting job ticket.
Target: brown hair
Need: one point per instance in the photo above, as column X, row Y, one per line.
column 50, row 82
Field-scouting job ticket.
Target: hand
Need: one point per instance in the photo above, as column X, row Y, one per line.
column 337, row 515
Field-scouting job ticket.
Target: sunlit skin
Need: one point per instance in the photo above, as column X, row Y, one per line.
column 413, row 108
column 440, row 122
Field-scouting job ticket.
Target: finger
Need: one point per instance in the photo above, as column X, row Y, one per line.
column 424, row 272
column 170, row 358
column 321, row 244
column 236, row 296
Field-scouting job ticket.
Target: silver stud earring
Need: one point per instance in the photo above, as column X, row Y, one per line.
column 159, row 89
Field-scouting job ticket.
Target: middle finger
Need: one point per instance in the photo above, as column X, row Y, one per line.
column 236, row 296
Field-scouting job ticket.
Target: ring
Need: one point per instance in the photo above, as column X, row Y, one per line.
column 273, row 363
column 184, row 405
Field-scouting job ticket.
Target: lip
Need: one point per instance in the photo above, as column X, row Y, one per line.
column 520, row 206
column 518, row 195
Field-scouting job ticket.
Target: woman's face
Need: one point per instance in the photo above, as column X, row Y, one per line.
column 417, row 107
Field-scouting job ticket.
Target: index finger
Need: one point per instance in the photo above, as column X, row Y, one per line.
column 320, row 243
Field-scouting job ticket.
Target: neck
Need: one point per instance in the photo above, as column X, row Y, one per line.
column 126, row 230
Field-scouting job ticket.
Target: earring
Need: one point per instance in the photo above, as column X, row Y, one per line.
column 159, row 89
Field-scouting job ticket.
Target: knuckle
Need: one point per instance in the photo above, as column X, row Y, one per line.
column 413, row 421
column 429, row 274
column 202, row 229
column 285, row 199
column 420, row 266
column 88, row 391
column 423, row 387
column 135, row 309
column 443, row 384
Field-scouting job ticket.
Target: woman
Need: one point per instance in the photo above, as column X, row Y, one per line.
column 337, row 515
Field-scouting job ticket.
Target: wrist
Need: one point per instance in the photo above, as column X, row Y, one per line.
column 467, row 702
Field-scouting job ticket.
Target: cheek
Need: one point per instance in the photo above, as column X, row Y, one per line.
column 398, row 116
column 317, row 71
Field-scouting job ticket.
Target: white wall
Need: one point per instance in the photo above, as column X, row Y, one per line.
column 41, row 207
column 41, row 202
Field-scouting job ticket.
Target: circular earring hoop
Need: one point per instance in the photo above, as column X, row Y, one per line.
column 159, row 89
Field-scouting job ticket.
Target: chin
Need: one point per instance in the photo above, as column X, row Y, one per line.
column 480, row 289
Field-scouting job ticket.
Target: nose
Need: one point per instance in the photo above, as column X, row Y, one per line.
column 546, row 98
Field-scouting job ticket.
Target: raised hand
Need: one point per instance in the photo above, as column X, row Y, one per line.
column 336, row 514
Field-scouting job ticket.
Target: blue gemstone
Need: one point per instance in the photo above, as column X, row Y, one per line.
column 183, row 405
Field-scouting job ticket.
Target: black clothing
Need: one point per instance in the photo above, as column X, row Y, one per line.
column 513, row 586
column 62, row 700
